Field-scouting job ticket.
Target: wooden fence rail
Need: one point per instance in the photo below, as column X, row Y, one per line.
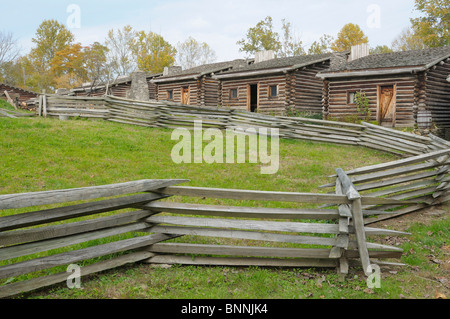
column 139, row 222
column 429, row 175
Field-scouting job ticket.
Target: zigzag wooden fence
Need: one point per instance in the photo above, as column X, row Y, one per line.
column 402, row 182
column 139, row 222
column 361, row 196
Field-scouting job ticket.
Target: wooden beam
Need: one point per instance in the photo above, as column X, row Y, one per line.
column 14, row 201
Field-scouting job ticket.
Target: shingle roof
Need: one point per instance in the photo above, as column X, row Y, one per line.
column 288, row 62
column 209, row 68
column 416, row 58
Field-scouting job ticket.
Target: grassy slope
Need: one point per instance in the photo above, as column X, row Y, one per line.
column 39, row 154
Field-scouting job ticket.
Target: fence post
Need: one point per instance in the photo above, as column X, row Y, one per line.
column 342, row 239
column 358, row 220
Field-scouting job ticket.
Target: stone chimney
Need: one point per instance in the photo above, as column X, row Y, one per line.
column 359, row 51
column 172, row 70
column 262, row 56
column 139, row 87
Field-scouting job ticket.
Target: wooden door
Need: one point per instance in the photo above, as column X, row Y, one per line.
column 386, row 105
column 252, row 97
column 185, row 97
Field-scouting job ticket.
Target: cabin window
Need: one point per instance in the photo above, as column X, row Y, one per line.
column 351, row 97
column 273, row 91
column 170, row 94
column 233, row 93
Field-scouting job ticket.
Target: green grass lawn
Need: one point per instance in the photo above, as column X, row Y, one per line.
column 46, row 154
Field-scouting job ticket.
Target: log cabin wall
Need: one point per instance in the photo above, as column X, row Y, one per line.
column 21, row 94
column 336, row 104
column 266, row 103
column 307, row 89
column 176, row 88
column 208, row 94
column 437, row 94
column 120, row 90
column 152, row 89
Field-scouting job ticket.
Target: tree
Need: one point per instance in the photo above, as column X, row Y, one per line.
column 290, row 45
column 9, row 51
column 350, row 35
column 408, row 40
column 120, row 51
column 68, row 67
column 380, row 49
column 153, row 53
column 323, row 45
column 95, row 60
column 260, row 38
column 192, row 53
column 51, row 37
column 434, row 27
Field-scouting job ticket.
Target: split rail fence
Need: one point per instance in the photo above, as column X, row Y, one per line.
column 158, row 227
column 150, row 221
column 424, row 172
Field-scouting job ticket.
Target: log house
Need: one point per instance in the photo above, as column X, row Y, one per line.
column 404, row 89
column 194, row 86
column 277, row 86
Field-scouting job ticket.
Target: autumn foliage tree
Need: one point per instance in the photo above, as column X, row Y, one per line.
column 152, row 52
column 433, row 27
column 350, row 35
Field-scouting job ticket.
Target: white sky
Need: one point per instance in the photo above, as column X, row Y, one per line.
column 220, row 23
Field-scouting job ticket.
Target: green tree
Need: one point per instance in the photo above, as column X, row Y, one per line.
column 321, row 46
column 51, row 37
column 290, row 45
column 379, row 49
column 262, row 37
column 408, row 40
column 350, row 35
column 433, row 28
column 96, row 64
column 120, row 50
column 152, row 52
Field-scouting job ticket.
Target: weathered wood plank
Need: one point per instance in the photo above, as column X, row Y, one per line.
column 40, row 282
column 241, row 234
column 80, row 210
column 79, row 255
column 398, row 163
column 245, row 251
column 13, row 201
column 49, row 244
column 247, row 224
column 238, row 211
column 242, row 262
column 48, row 232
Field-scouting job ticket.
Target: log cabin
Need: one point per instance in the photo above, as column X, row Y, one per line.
column 194, row 86
column 120, row 87
column 277, row 86
column 403, row 89
column 22, row 98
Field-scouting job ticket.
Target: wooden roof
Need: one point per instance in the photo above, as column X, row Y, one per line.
column 280, row 65
column 389, row 63
column 17, row 88
column 206, row 69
